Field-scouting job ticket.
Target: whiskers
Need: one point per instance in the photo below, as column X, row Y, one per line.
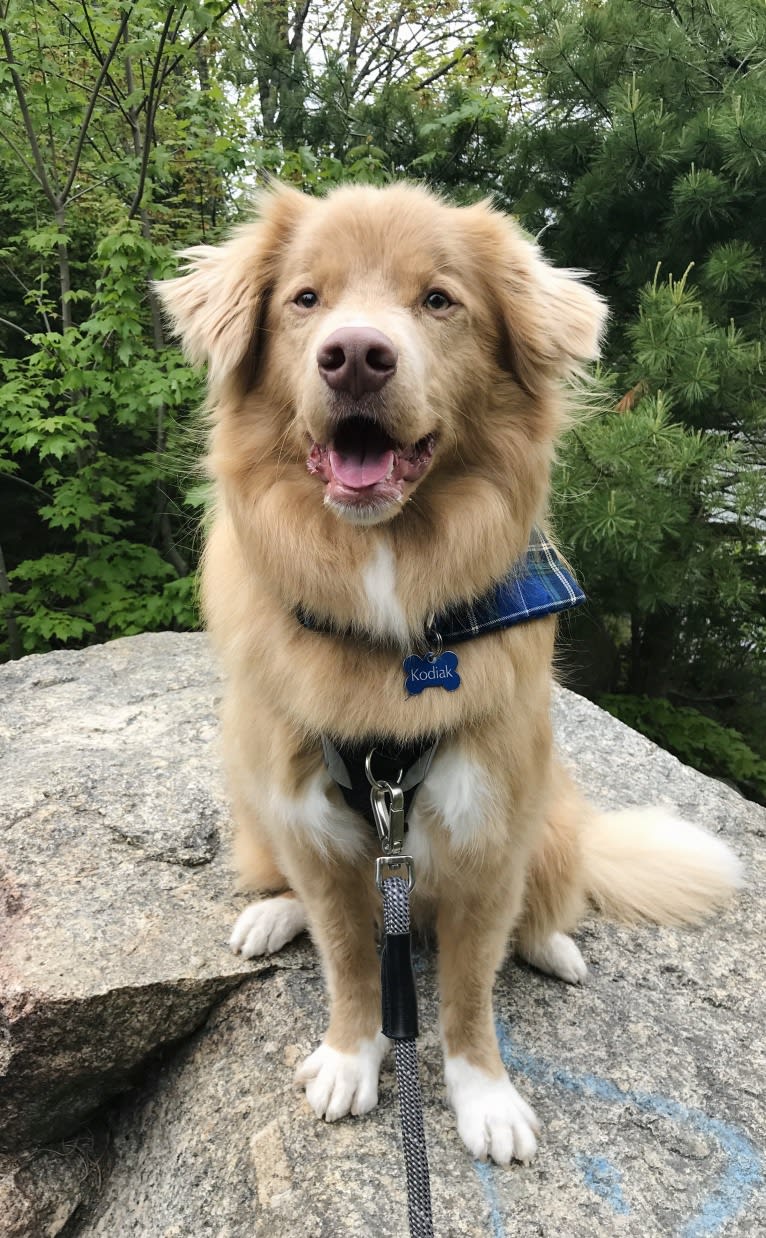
column 282, row 442
column 447, row 427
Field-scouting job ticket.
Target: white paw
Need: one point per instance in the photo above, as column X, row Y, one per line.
column 266, row 926
column 492, row 1119
column 558, row 956
column 339, row 1083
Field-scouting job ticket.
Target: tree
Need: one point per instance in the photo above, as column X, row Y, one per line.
column 106, row 156
column 640, row 155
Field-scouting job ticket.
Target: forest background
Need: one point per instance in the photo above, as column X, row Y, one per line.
column 628, row 136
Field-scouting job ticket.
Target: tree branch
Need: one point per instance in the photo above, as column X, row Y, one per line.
column 300, row 21
column 92, row 47
column 19, row 481
column 444, row 69
column 171, row 68
column 588, row 90
column 44, row 76
column 155, row 87
column 181, row 15
column 15, row 327
column 102, row 180
column 105, row 63
column 41, row 174
column 19, row 155
column 32, row 293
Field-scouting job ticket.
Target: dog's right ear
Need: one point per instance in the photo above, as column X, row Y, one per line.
column 217, row 304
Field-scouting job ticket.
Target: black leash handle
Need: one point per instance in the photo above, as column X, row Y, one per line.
column 400, row 1024
column 397, row 984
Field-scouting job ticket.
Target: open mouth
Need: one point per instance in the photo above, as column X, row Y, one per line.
column 364, row 467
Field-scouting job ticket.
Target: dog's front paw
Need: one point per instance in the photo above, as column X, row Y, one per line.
column 266, row 926
column 339, row 1083
column 492, row 1119
column 558, row 956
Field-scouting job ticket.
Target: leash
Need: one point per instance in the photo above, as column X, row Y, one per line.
column 398, row 995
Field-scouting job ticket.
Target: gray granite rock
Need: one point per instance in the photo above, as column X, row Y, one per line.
column 42, row 1189
column 115, row 889
column 649, row 1079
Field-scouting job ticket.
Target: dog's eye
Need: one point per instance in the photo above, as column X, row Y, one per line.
column 307, row 299
column 437, row 300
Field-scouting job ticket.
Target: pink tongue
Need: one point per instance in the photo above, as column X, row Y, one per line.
column 358, row 471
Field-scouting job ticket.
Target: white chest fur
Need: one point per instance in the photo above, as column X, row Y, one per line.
column 457, row 793
column 385, row 616
column 324, row 823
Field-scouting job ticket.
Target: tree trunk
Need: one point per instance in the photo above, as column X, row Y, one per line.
column 15, row 649
column 657, row 654
column 161, row 516
column 635, row 685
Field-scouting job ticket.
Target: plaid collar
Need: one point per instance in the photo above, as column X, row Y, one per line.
column 537, row 585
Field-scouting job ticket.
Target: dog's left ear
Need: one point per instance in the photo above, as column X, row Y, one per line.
column 551, row 321
column 216, row 306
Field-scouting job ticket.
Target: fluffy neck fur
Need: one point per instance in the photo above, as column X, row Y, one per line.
column 467, row 522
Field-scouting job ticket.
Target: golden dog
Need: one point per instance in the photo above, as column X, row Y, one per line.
column 385, row 389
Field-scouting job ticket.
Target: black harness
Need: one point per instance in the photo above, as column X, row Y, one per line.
column 405, row 763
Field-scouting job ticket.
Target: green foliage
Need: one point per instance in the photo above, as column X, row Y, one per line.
column 658, row 507
column 694, row 738
column 98, row 185
column 79, row 414
column 643, row 162
column 122, row 589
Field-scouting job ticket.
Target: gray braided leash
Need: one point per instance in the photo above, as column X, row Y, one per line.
column 399, row 999
column 396, row 920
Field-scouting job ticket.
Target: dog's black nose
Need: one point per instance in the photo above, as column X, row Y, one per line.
column 357, row 360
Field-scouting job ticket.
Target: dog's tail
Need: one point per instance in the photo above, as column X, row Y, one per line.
column 648, row 864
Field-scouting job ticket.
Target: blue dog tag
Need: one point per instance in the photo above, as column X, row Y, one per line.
column 432, row 671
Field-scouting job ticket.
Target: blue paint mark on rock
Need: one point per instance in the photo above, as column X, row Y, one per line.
column 605, row 1180
column 728, row 1198
column 484, row 1171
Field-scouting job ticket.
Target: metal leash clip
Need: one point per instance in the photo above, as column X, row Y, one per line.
column 388, row 810
column 387, row 800
column 389, row 866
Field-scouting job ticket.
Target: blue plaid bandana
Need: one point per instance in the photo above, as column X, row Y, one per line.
column 537, row 585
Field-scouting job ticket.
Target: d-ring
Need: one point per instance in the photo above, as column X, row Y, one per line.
column 434, row 638
column 371, row 777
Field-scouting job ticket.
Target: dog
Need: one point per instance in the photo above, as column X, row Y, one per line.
column 385, row 392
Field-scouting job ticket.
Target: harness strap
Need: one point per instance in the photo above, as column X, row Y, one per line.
column 405, row 764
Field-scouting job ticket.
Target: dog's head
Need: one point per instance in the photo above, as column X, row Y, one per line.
column 381, row 325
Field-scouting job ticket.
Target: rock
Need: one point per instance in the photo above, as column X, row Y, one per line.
column 649, row 1079
column 116, row 888
column 42, row 1189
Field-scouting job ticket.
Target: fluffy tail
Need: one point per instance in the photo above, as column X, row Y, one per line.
column 648, row 864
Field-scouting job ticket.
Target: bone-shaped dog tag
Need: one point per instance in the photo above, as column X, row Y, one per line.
column 432, row 671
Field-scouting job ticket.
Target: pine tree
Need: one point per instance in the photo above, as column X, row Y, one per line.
column 642, row 158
